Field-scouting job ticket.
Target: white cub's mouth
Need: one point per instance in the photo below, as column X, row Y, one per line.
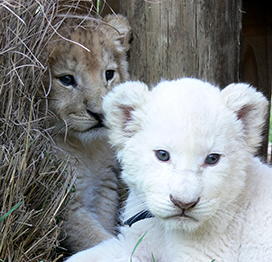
column 184, row 208
column 180, row 214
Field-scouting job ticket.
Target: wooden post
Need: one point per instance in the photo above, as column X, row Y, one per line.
column 257, row 51
column 180, row 38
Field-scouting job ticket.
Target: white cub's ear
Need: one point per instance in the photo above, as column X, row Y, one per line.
column 122, row 107
column 118, row 29
column 251, row 108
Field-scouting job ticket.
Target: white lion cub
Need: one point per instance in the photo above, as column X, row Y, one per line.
column 187, row 151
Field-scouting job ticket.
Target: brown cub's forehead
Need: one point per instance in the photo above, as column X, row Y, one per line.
column 92, row 37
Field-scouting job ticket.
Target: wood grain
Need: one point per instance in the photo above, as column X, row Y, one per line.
column 180, row 38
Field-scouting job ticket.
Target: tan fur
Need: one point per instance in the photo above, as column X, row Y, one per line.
column 77, row 110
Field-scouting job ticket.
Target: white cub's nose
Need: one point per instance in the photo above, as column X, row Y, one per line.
column 183, row 205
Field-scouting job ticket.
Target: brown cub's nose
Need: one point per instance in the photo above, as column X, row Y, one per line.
column 182, row 205
column 98, row 117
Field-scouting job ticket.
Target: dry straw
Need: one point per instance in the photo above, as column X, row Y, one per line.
column 34, row 185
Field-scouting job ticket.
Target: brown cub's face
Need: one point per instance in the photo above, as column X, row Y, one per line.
column 81, row 78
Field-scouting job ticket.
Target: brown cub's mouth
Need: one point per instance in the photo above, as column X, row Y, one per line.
column 98, row 117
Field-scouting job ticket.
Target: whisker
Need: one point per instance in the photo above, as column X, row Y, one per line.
column 66, row 130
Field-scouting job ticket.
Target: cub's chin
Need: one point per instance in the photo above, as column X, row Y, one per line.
column 182, row 223
column 98, row 131
column 85, row 136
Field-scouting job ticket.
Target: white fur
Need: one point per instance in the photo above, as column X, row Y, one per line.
column 190, row 119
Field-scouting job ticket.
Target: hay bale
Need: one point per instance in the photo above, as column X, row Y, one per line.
column 34, row 184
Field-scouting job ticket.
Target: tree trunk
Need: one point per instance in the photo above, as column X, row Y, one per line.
column 184, row 38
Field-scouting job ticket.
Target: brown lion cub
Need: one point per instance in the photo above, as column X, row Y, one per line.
column 84, row 67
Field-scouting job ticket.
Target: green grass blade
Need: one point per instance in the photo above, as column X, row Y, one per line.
column 9, row 212
column 98, row 6
column 137, row 244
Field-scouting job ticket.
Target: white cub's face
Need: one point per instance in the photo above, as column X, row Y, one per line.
column 183, row 152
column 184, row 158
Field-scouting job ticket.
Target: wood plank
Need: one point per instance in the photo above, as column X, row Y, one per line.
column 180, row 38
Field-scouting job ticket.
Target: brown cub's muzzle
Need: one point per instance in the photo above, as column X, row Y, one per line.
column 98, row 117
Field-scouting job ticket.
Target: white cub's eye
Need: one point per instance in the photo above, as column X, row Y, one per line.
column 212, row 159
column 162, row 155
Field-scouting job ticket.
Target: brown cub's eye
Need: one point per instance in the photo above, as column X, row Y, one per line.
column 68, row 80
column 109, row 74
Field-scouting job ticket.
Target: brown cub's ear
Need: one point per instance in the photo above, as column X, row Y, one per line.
column 118, row 29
